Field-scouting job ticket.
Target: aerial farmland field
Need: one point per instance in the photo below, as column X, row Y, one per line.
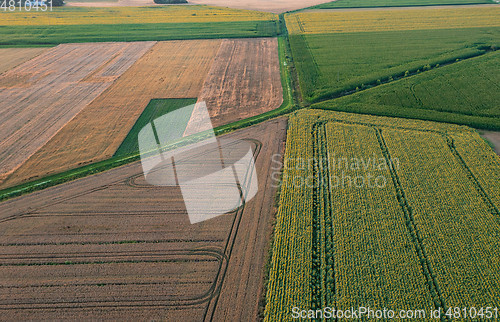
column 41, row 93
column 111, row 243
column 250, row 160
column 372, row 234
column 331, row 48
column 458, row 93
column 69, row 25
column 174, row 69
column 16, row 56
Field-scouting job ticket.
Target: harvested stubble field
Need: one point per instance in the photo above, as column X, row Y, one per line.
column 112, row 246
column 386, row 20
column 425, row 235
column 173, row 69
column 12, row 57
column 235, row 81
column 42, row 95
column 244, row 81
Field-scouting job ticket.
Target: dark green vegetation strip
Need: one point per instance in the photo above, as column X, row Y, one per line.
column 345, row 61
column 155, row 109
column 58, row 34
column 323, row 267
column 395, row 3
column 466, row 92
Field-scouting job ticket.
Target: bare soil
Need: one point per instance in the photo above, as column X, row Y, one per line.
column 494, row 138
column 110, row 246
column 275, row 6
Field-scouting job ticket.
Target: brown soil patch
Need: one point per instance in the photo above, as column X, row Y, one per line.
column 40, row 96
column 173, row 69
column 12, row 57
column 494, row 138
column 244, row 81
column 111, row 246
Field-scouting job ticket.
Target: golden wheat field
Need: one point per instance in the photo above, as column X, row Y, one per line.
column 386, row 20
column 131, row 15
column 173, row 69
column 12, row 57
column 42, row 95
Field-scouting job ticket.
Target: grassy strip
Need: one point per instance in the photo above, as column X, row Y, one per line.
column 155, row 109
column 478, row 122
column 340, row 4
column 115, row 162
column 58, row 34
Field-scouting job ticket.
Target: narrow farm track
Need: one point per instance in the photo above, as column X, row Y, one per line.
column 109, row 244
column 323, row 241
column 416, row 238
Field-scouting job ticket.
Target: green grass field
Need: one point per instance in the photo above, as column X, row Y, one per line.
column 330, row 64
column 57, row 34
column 395, row 3
column 466, row 92
column 155, row 109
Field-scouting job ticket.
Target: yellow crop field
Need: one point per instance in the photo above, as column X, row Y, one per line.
column 12, row 57
column 169, row 69
column 384, row 213
column 131, row 15
column 385, row 20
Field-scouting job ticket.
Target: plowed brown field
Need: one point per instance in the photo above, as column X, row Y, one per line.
column 173, row 69
column 12, row 57
column 40, row 96
column 110, row 246
column 244, row 81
